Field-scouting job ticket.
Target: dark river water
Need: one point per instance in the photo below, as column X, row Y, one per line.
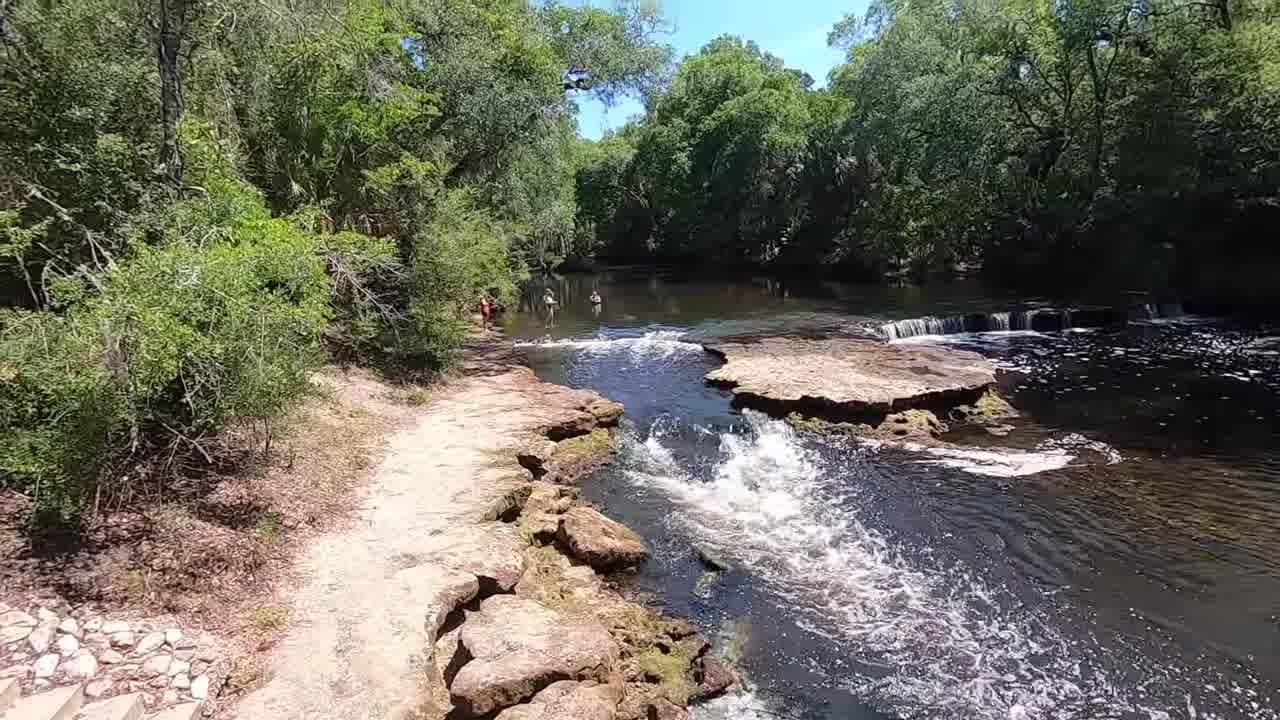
column 1117, row 555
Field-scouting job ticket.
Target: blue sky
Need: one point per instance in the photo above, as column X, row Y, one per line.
column 794, row 30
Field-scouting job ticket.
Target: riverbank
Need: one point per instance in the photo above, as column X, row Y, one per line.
column 449, row 569
column 461, row 590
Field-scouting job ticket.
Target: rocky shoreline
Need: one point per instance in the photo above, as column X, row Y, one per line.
column 528, row 624
column 479, row 584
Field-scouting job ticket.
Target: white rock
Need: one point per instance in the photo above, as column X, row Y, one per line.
column 95, row 640
column 98, row 688
column 179, row 667
column 110, row 657
column 15, row 626
column 82, row 667
column 122, row 639
column 150, row 642
column 43, row 684
column 47, row 665
column 114, row 627
column 48, row 616
column 42, row 636
column 170, row 697
column 18, row 671
column 70, row 627
column 182, row 681
column 4, row 608
column 155, row 665
column 200, row 688
column 93, row 624
column 68, row 645
column 173, row 636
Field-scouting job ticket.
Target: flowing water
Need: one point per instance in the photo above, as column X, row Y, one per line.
column 1117, row 555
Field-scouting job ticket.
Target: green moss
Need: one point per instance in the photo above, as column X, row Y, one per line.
column 826, row 427
column 994, row 407
column 270, row 618
column 595, row 444
column 670, row 670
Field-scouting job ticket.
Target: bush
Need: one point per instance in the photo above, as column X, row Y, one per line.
column 177, row 342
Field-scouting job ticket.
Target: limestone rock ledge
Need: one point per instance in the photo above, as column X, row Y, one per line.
column 842, row 378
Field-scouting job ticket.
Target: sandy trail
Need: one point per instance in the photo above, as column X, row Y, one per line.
column 355, row 648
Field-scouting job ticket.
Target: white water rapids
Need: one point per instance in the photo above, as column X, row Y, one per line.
column 949, row 647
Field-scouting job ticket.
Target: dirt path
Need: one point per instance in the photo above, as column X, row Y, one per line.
column 356, row 647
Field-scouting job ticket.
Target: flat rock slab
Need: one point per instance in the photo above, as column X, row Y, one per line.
column 518, row 647
column 846, row 377
column 600, row 542
column 567, row 700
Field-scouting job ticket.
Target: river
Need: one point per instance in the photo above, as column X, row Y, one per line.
column 1117, row 555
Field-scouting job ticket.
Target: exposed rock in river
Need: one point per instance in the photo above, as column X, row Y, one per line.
column 600, row 542
column 844, row 378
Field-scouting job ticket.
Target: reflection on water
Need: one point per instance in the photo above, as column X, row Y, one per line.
column 1119, row 558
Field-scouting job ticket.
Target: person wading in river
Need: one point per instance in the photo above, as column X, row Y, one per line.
column 549, row 300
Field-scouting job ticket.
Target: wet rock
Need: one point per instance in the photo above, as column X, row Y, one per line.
column 568, row 700
column 518, row 647
column 599, row 541
column 844, row 377
column 712, row 558
column 47, row 665
column 999, row 430
column 990, row 408
column 918, row 425
column 714, row 678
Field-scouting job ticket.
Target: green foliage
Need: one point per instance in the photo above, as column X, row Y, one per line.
column 356, row 175
column 1032, row 138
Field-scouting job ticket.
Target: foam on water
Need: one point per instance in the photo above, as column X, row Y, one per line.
column 656, row 344
column 949, row 645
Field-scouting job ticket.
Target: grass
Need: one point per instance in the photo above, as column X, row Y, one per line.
column 413, row 395
column 270, row 618
column 269, row 530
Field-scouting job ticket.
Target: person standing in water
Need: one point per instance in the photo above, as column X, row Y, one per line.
column 596, row 302
column 549, row 300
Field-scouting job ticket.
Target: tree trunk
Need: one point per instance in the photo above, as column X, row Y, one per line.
column 173, row 14
column 8, row 33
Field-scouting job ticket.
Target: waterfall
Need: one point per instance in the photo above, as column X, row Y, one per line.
column 1042, row 319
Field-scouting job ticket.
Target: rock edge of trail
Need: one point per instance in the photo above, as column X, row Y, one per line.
column 449, row 595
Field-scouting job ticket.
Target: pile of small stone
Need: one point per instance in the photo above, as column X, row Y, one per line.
column 44, row 649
